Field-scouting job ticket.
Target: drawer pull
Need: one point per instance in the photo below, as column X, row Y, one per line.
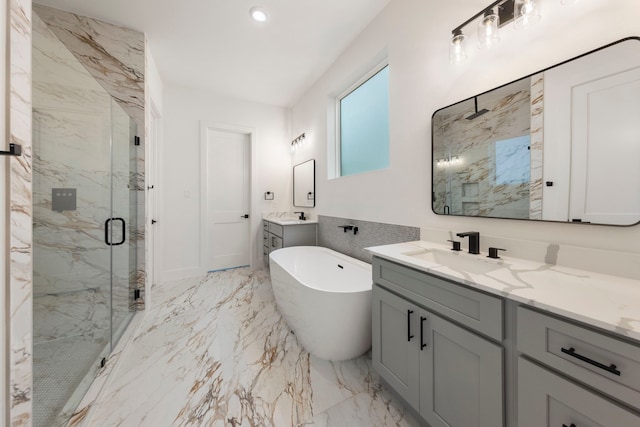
column 572, row 425
column 409, row 336
column 572, row 352
column 422, row 343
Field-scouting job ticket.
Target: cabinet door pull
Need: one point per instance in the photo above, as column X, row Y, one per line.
column 572, row 425
column 422, row 343
column 409, row 336
column 572, row 352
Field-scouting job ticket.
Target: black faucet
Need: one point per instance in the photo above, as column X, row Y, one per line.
column 301, row 216
column 474, row 241
column 349, row 227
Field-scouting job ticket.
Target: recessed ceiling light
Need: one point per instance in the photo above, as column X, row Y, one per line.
column 257, row 14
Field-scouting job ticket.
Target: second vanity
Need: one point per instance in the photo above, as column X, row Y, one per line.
column 285, row 232
column 470, row 341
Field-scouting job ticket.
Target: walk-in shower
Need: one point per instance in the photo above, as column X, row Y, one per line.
column 84, row 221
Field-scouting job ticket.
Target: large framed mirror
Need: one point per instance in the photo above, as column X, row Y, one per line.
column 304, row 184
column 562, row 144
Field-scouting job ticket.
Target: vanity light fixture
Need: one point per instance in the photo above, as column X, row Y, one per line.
column 448, row 161
column 297, row 143
column 526, row 13
column 457, row 52
column 493, row 17
column 488, row 35
column 258, row 14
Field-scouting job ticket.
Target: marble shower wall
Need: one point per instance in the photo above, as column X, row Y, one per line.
column 20, row 228
column 473, row 185
column 369, row 234
column 537, row 145
column 113, row 57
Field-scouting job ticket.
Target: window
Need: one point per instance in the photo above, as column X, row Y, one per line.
column 363, row 124
column 513, row 160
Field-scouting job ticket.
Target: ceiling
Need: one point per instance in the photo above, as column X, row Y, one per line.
column 214, row 45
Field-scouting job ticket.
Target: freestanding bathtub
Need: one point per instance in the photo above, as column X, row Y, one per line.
column 325, row 298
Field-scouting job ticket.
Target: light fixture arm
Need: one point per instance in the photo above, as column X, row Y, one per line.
column 499, row 3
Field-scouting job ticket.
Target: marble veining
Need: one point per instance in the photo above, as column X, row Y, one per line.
column 472, row 144
column 216, row 352
column 537, row 146
column 112, row 57
column 604, row 301
column 20, row 295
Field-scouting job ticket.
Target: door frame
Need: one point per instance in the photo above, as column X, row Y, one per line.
column 153, row 161
column 204, row 179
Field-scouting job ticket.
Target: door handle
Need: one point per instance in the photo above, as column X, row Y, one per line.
column 106, row 231
column 422, row 343
column 409, row 336
column 244, row 216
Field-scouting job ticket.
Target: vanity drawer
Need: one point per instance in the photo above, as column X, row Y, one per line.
column 476, row 310
column 275, row 229
column 549, row 400
column 596, row 359
column 265, row 226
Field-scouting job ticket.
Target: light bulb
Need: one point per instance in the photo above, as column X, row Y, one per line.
column 526, row 13
column 488, row 34
column 457, row 52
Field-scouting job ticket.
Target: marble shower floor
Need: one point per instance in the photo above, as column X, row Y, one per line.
column 216, row 352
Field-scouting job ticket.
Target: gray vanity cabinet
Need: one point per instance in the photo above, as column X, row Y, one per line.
column 549, row 400
column 276, row 236
column 460, row 377
column 396, row 357
column 453, row 377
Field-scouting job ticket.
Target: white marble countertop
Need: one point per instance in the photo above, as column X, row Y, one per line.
column 286, row 218
column 291, row 221
column 605, row 301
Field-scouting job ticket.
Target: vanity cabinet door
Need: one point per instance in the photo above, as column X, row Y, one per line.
column 461, row 376
column 395, row 352
column 548, row 400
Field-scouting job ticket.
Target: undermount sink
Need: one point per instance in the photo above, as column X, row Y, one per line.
column 461, row 262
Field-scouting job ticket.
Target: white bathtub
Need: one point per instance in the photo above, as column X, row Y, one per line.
column 325, row 298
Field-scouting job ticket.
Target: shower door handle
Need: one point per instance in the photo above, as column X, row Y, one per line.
column 106, row 231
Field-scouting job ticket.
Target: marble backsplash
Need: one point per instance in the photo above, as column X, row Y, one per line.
column 331, row 236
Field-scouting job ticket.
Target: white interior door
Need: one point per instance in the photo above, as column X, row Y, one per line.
column 578, row 130
column 605, row 150
column 227, row 192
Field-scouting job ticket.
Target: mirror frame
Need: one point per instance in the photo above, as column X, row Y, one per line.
column 637, row 38
column 314, row 184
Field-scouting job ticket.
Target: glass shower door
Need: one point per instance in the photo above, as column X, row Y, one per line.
column 71, row 199
column 85, row 257
column 120, row 232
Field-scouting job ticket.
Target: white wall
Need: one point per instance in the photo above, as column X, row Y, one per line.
column 183, row 110
column 154, row 94
column 416, row 34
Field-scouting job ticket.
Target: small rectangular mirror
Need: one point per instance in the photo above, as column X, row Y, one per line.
column 304, row 184
column 560, row 145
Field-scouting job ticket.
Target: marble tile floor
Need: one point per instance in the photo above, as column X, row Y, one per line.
column 216, row 352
